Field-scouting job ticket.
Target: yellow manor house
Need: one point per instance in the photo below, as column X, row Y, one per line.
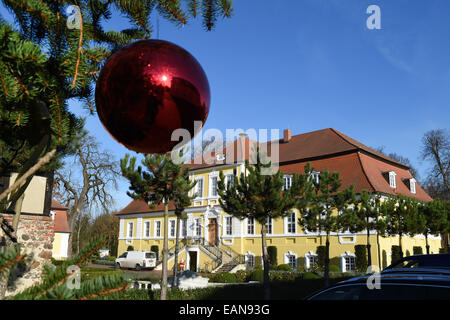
column 212, row 240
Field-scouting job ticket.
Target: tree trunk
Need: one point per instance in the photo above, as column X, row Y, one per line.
column 267, row 293
column 175, row 266
column 327, row 261
column 165, row 252
column 369, row 254
column 400, row 245
column 380, row 263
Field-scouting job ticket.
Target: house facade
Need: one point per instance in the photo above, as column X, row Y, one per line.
column 212, row 240
column 62, row 231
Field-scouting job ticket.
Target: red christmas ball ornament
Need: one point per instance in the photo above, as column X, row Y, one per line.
column 147, row 90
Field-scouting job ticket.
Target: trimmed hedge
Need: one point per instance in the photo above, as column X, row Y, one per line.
column 417, row 250
column 395, row 253
column 384, row 259
column 241, row 276
column 284, row 267
column 224, row 277
column 361, row 257
column 321, row 256
column 273, row 253
column 310, row 275
column 155, row 249
column 130, row 248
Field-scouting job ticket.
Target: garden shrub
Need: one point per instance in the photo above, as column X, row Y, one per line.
column 361, row 257
column 272, row 251
column 224, row 277
column 284, row 267
column 241, row 276
column 442, row 250
column 334, row 268
column 321, row 256
column 310, row 275
column 395, row 253
column 301, row 264
column 112, row 258
column 384, row 259
column 408, row 253
column 417, row 250
column 130, row 248
column 257, row 262
column 155, row 249
column 257, row 275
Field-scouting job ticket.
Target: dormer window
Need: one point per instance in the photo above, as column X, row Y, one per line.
column 412, row 185
column 392, row 182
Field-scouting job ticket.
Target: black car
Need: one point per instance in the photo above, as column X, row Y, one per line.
column 441, row 261
column 428, row 284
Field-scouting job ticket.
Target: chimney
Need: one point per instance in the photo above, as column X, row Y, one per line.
column 287, row 135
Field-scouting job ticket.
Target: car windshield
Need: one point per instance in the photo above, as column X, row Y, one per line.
column 124, row 255
column 149, row 255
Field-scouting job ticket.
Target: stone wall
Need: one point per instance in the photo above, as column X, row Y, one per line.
column 35, row 234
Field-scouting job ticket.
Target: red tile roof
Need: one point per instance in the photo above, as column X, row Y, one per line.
column 329, row 149
column 57, row 205
column 60, row 220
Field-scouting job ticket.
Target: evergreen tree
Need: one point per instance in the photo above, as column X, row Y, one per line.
column 181, row 186
column 254, row 195
column 163, row 182
column 396, row 211
column 319, row 210
column 364, row 215
column 428, row 219
column 54, row 56
column 56, row 282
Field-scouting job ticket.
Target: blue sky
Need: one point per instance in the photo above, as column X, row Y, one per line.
column 313, row 64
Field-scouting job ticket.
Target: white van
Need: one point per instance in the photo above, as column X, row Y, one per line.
column 137, row 260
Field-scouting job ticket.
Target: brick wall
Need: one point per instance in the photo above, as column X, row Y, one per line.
column 35, row 234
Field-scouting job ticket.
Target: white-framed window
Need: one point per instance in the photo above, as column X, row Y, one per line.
column 392, row 181
column 213, row 186
column 158, row 228
column 228, row 225
column 348, row 262
column 172, row 228
column 287, row 179
column 229, row 181
column 290, row 258
column 199, row 188
column 130, row 226
column 412, row 185
column 311, row 260
column 291, row 225
column 249, row 259
column 250, row 225
column 147, row 229
column 269, row 225
column 198, row 227
column 183, row 228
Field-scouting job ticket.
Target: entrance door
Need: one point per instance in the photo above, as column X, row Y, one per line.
column 193, row 261
column 212, row 231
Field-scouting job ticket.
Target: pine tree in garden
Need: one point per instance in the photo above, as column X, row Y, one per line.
column 319, row 211
column 363, row 215
column 163, row 182
column 59, row 282
column 427, row 219
column 259, row 197
column 181, row 186
column 396, row 211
